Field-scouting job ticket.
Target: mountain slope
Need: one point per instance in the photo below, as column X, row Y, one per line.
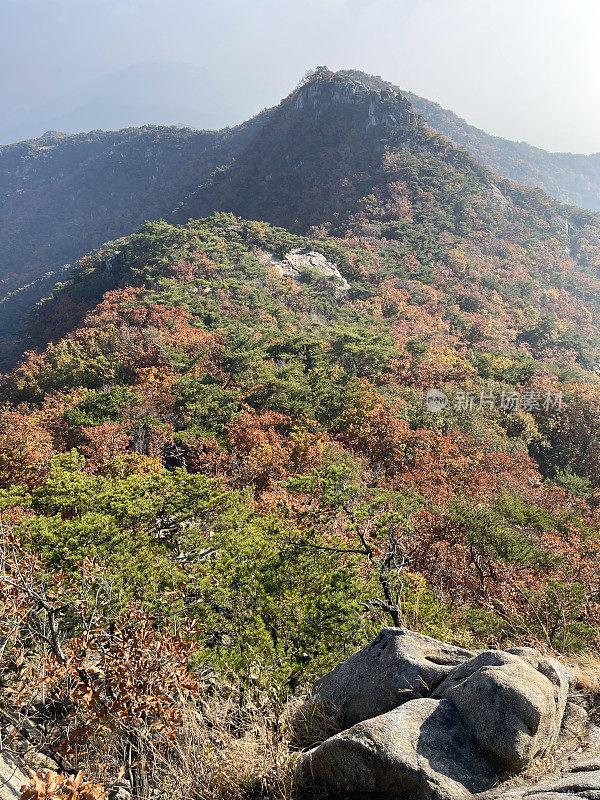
column 569, row 177
column 353, row 160
column 294, row 369
column 359, row 163
column 62, row 195
column 319, row 155
column 221, row 469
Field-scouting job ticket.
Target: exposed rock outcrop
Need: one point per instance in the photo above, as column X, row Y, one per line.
column 511, row 707
column 420, row 750
column 398, row 666
column 298, row 262
column 429, row 721
column 12, row 776
column 577, row 778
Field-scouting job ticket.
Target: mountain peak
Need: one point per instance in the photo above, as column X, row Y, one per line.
column 385, row 106
column 319, row 153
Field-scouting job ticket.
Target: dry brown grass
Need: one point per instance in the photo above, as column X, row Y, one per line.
column 221, row 751
column 586, row 668
column 216, row 758
column 220, row 756
column 310, row 721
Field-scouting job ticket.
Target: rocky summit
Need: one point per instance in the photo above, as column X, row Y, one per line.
column 425, row 720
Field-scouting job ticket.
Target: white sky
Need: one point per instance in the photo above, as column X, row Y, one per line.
column 524, row 69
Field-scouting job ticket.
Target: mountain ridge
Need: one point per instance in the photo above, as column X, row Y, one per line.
column 339, row 159
column 64, row 215
column 572, row 178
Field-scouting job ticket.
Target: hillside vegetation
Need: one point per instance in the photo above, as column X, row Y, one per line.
column 219, row 474
column 61, row 196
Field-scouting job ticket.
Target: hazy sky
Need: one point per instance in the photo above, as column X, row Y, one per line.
column 523, row 69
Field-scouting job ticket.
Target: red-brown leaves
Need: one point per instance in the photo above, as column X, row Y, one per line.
column 51, row 786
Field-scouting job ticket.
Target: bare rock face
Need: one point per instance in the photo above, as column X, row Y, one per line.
column 429, row 721
column 496, row 197
column 12, row 777
column 420, row 750
column 398, row 666
column 513, row 705
column 296, row 263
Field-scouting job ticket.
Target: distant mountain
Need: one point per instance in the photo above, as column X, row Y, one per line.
column 61, row 196
column 320, row 153
column 142, row 94
column 505, row 264
column 348, row 151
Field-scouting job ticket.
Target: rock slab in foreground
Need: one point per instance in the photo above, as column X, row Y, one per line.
column 577, row 779
column 12, row 777
column 398, row 666
column 513, row 710
column 420, row 750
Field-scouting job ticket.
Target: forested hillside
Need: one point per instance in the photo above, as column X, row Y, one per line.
column 569, row 177
column 235, row 450
column 61, row 196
